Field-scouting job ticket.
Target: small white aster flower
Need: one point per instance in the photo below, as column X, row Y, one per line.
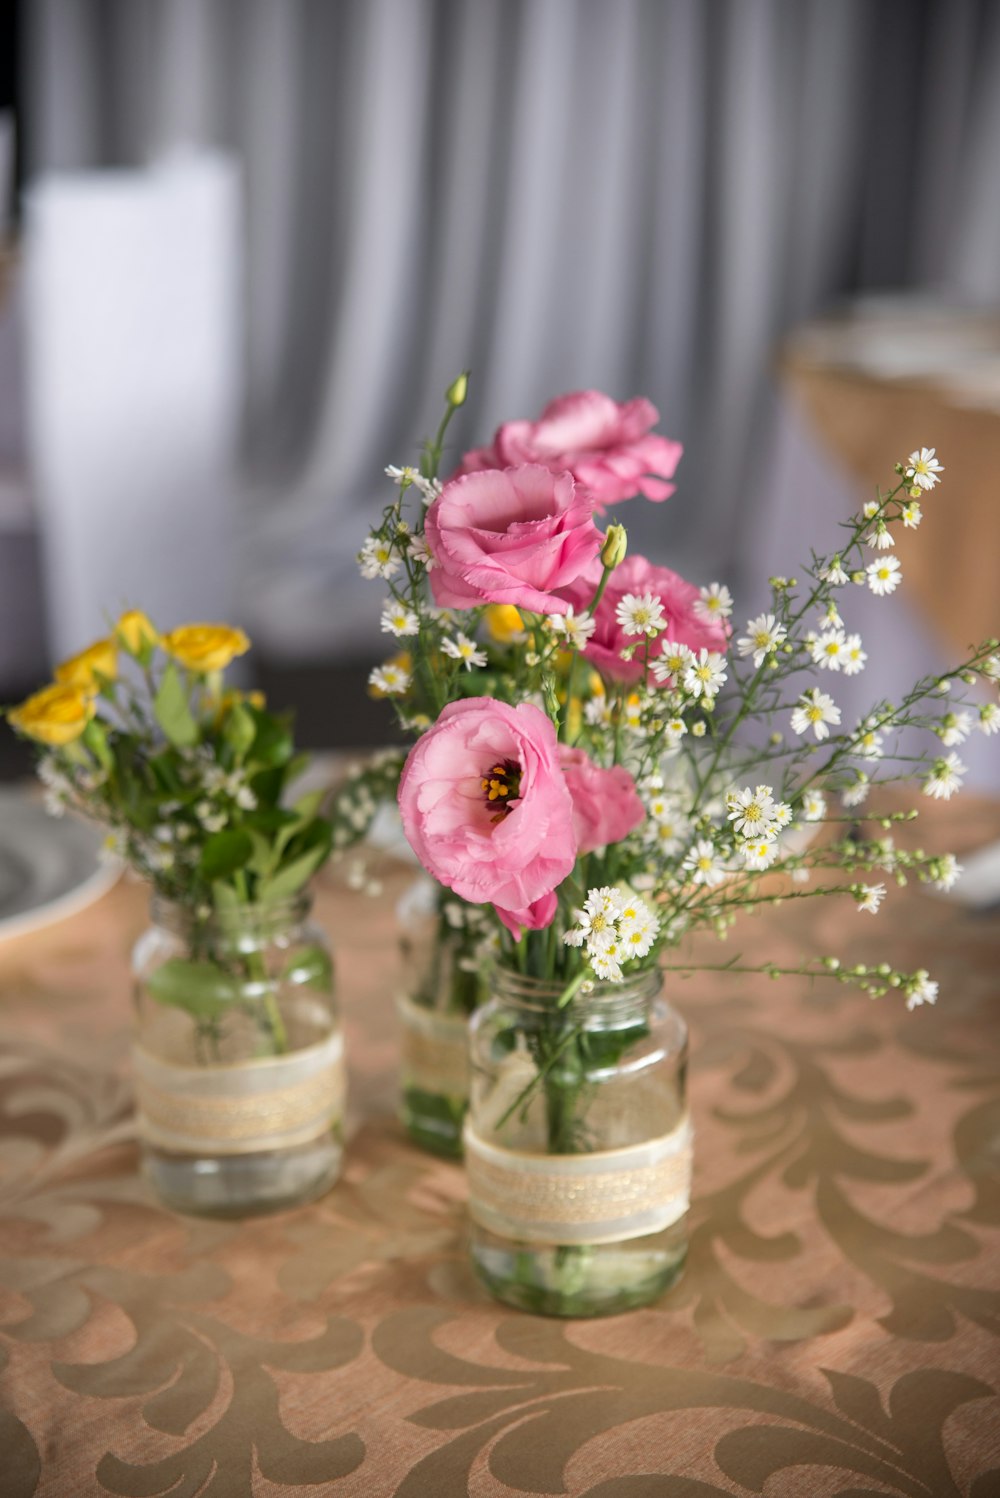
column 954, row 728
column 245, row 799
column 854, row 657
column 856, row 794
column 764, row 635
column 397, row 619
column 637, row 927
column 871, row 508
column 880, row 537
column 705, row 674
column 911, row 514
column 816, row 709
column 404, row 477
column 945, row 871
column 989, row 718
column 418, row 551
column 641, row 614
column 675, row 728
column 923, row 468
column 920, row 989
column 759, row 852
column 883, row 575
column 699, row 729
column 714, row 602
column 813, row 806
column 575, row 629
column 702, row 863
column 606, row 966
column 669, row 833
column 945, row 778
column 868, row 740
column 461, row 648
column 376, row 559
column 991, row 668
column 829, row 650
column 391, row 679
column 834, row 573
column 870, row 897
column 751, row 811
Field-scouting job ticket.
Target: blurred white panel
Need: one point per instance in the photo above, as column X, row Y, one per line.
column 134, row 357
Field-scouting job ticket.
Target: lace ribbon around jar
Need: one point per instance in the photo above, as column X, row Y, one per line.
column 604, row 1197
column 273, row 1103
column 435, row 1050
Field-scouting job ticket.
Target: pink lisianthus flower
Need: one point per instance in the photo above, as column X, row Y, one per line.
column 606, row 804
column 516, row 536
column 533, row 917
column 485, row 805
column 678, row 598
column 608, row 448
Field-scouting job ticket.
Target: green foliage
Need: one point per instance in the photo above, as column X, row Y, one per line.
column 202, row 989
column 172, row 711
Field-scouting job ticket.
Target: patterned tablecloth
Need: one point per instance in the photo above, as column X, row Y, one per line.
column 836, row 1331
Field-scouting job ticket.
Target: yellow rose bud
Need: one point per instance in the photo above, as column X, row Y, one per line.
column 615, row 546
column 82, row 671
column 458, row 390
column 504, row 623
column 55, row 716
column 136, row 633
column 205, row 647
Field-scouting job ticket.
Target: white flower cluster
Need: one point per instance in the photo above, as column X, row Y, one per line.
column 757, row 819
column 614, row 926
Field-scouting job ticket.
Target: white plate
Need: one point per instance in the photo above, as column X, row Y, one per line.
column 48, row 865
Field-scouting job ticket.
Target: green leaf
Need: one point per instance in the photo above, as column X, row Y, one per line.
column 225, row 898
column 173, row 714
column 265, row 855
column 200, row 988
column 225, row 852
column 95, row 737
column 240, row 730
column 310, row 966
column 272, row 744
column 289, row 880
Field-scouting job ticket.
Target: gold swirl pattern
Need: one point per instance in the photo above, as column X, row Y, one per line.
column 604, row 1197
column 233, row 1110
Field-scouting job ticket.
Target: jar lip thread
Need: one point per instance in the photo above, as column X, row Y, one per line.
column 541, row 993
column 248, row 915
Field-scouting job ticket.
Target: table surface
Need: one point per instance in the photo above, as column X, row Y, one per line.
column 836, row 1330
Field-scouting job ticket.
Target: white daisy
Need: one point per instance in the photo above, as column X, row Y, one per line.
column 759, row 852
column 868, row 740
column 856, row 794
column 669, row 833
column 376, row 559
column 920, row 989
column 829, row 650
column 575, row 629
column 605, row 964
column 597, row 712
column 461, row 648
column 752, row 811
column 870, row 897
column 954, row 728
column 764, row 635
column 702, row 863
column 884, row 575
column 834, row 573
column 911, row 514
column 637, row 927
column 945, row 871
column 714, row 602
column 989, row 718
column 418, row 551
column 854, row 657
column 923, row 468
column 397, row 619
column 945, row 778
column 390, row 679
column 991, row 668
column 813, row 806
column 705, row 674
column 404, row 477
column 816, row 709
column 675, row 728
column 672, row 661
column 880, row 539
column 641, row 614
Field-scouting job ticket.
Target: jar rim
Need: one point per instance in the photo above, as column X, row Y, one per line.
column 534, row 993
column 176, row 916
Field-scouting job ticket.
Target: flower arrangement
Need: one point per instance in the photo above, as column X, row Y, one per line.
column 611, row 766
column 140, row 734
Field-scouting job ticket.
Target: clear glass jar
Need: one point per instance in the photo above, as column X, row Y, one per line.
column 578, row 1145
column 439, row 937
column 238, row 1058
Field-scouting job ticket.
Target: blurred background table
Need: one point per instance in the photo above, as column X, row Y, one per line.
column 836, row 1329
column 900, row 373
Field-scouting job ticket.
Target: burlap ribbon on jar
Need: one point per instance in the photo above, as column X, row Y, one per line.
column 435, row 1050
column 604, row 1197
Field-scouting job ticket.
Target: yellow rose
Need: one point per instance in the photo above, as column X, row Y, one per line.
column 81, row 671
column 504, row 623
column 136, row 632
column 55, row 716
column 205, row 647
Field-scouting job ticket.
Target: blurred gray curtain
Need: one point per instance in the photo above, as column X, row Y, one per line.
column 640, row 195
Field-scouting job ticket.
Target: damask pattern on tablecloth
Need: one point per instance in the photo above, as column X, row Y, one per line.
column 836, row 1331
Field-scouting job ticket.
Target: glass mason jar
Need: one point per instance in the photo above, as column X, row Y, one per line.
column 238, row 1058
column 578, row 1145
column 439, row 935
